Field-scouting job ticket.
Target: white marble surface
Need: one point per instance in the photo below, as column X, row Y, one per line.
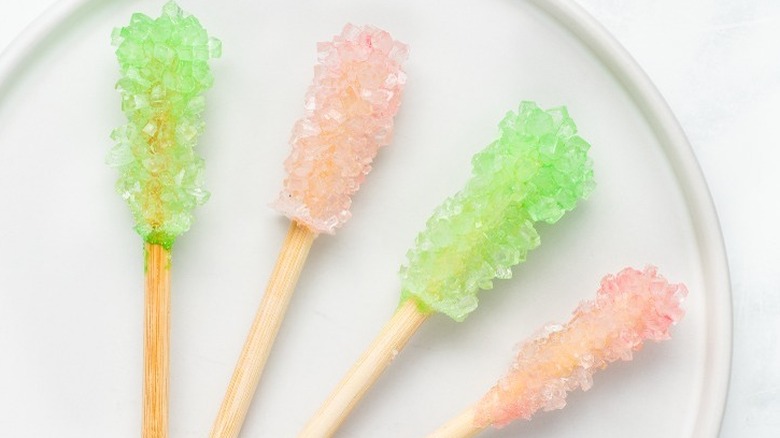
column 717, row 64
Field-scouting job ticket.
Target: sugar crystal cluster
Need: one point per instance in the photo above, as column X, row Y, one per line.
column 349, row 112
column 164, row 71
column 536, row 171
column 630, row 307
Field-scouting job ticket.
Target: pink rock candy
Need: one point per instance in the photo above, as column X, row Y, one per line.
column 629, row 308
column 349, row 112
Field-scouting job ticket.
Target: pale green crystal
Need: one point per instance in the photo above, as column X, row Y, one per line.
column 164, row 71
column 536, row 171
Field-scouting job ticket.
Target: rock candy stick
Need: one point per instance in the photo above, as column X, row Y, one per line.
column 630, row 308
column 349, row 111
column 164, row 71
column 534, row 172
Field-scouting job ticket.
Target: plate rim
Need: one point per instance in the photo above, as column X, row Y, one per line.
column 15, row 56
column 698, row 199
column 640, row 88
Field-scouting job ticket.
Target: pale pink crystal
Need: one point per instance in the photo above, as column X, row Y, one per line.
column 629, row 308
column 349, row 112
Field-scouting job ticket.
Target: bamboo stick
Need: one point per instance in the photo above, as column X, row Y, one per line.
column 265, row 327
column 157, row 304
column 393, row 337
column 461, row 426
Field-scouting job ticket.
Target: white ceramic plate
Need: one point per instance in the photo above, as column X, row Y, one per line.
column 71, row 268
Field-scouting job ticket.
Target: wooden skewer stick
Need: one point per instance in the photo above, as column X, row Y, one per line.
column 157, row 331
column 393, row 337
column 261, row 336
column 461, row 426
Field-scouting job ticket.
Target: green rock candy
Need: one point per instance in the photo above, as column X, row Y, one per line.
column 164, row 71
column 536, row 171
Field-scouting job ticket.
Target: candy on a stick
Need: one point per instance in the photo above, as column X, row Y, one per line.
column 349, row 111
column 535, row 171
column 164, row 71
column 630, row 308
column 349, row 116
